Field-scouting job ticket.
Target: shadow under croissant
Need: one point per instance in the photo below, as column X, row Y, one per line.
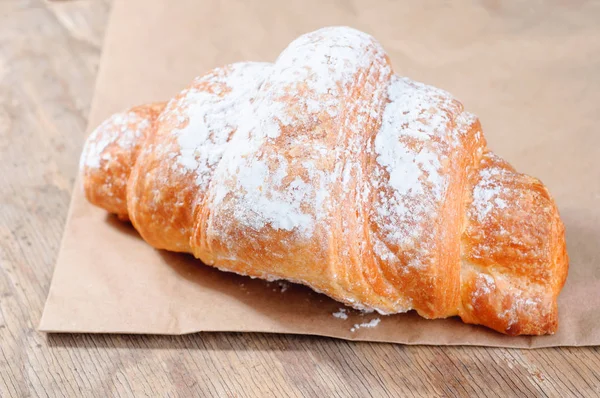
column 275, row 298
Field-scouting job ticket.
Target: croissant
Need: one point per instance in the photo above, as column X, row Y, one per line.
column 327, row 169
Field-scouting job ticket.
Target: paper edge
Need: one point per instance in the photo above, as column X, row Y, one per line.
column 77, row 183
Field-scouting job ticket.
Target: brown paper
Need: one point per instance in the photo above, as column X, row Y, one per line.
column 530, row 72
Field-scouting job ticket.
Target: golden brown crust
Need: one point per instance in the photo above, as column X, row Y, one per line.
column 428, row 252
column 514, row 259
column 169, row 183
column 326, row 169
column 110, row 153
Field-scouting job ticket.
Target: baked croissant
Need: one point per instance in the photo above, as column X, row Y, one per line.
column 327, row 169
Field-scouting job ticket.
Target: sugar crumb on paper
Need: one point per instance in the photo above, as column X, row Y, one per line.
column 340, row 314
column 371, row 324
column 283, row 286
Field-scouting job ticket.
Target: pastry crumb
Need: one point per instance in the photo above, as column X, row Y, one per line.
column 341, row 314
column 283, row 286
column 371, row 324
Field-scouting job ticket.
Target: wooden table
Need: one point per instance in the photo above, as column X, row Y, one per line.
column 48, row 60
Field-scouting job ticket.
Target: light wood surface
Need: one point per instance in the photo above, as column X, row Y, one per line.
column 49, row 55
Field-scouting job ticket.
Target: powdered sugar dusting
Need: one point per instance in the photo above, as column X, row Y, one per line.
column 520, row 305
column 121, row 129
column 264, row 196
column 488, row 192
column 314, row 74
column 486, row 284
column 510, row 289
column 212, row 110
column 410, row 146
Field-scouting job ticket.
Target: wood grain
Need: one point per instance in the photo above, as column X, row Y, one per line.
column 49, row 55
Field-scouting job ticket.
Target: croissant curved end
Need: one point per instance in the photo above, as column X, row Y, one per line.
column 514, row 258
column 110, row 152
